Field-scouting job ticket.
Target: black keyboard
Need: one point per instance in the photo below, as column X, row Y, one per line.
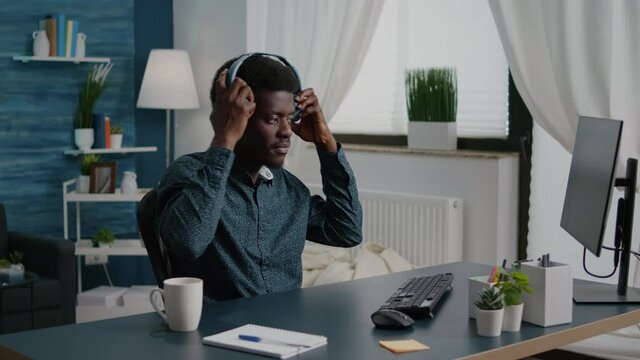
column 419, row 296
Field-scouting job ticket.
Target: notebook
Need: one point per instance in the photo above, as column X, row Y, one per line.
column 273, row 342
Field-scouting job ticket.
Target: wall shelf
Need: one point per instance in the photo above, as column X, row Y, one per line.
column 125, row 247
column 124, row 150
column 75, row 60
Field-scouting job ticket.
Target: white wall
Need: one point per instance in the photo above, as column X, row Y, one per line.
column 212, row 31
column 550, row 171
column 488, row 188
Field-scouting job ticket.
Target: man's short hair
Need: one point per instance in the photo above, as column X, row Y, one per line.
column 261, row 73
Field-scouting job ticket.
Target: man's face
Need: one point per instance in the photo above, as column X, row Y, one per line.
column 266, row 140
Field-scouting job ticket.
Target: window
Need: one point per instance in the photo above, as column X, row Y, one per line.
column 432, row 33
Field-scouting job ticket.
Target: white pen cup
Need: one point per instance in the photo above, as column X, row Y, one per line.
column 182, row 298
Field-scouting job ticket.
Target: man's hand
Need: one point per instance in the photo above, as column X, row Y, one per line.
column 231, row 111
column 312, row 127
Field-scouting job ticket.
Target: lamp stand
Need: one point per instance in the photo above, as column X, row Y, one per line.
column 167, row 149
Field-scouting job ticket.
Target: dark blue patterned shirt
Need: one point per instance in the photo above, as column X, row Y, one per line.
column 244, row 239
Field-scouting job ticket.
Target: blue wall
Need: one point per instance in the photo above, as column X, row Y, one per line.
column 37, row 101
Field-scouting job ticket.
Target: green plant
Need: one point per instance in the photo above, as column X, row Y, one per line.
column 490, row 299
column 117, row 130
column 431, row 94
column 5, row 264
column 512, row 287
column 86, row 161
column 15, row 257
column 94, row 86
column 103, row 236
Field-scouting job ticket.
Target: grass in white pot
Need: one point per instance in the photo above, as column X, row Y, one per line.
column 83, row 182
column 432, row 104
column 103, row 238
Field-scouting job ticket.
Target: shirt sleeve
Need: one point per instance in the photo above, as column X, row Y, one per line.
column 336, row 221
column 190, row 201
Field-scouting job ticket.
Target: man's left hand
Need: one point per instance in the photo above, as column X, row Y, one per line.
column 312, row 126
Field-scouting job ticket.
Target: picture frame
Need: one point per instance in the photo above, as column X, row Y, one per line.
column 103, row 177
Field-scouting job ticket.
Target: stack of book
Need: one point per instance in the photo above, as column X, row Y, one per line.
column 62, row 34
column 102, row 296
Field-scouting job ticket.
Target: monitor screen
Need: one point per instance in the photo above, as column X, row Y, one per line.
column 591, row 181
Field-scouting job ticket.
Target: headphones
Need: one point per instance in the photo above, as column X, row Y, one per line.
column 233, row 70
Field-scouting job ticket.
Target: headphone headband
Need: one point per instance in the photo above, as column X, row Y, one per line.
column 233, row 69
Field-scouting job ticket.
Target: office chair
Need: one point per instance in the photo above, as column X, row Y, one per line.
column 158, row 254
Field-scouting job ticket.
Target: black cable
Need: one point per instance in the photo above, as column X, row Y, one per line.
column 637, row 255
column 584, row 265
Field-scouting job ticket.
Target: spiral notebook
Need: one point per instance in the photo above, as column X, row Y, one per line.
column 267, row 341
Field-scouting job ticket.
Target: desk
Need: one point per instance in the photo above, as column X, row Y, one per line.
column 339, row 311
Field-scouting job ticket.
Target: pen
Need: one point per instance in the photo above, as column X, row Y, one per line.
column 254, row 338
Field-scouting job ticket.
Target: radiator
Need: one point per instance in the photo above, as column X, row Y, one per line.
column 426, row 230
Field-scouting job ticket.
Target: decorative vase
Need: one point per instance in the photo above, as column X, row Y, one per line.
column 84, row 138
column 103, row 245
column 489, row 322
column 16, row 273
column 82, row 184
column 432, row 135
column 80, row 45
column 512, row 318
column 40, row 43
column 129, row 184
column 116, row 141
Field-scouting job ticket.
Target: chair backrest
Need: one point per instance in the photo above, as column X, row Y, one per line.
column 158, row 254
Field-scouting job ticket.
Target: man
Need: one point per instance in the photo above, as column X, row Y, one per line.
column 231, row 215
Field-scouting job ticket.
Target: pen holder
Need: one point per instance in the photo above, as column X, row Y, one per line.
column 551, row 301
column 476, row 284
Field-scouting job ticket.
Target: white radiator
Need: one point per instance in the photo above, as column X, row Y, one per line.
column 426, row 230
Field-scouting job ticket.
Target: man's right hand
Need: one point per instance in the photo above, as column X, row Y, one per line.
column 231, row 111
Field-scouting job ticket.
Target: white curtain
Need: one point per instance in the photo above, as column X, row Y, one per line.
column 575, row 57
column 326, row 40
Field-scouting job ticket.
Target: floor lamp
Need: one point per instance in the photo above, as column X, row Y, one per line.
column 168, row 84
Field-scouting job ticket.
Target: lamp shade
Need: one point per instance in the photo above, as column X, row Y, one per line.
column 168, row 81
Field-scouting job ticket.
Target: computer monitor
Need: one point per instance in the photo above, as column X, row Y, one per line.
column 587, row 200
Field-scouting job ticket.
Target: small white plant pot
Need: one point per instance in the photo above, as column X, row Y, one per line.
column 16, row 273
column 432, row 135
column 82, row 184
column 489, row 322
column 116, row 141
column 84, row 138
column 103, row 245
column 512, row 318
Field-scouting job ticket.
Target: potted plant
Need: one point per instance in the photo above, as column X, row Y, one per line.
column 103, row 238
column 83, row 182
column 432, row 102
column 489, row 311
column 116, row 137
column 83, row 118
column 16, row 269
column 512, row 286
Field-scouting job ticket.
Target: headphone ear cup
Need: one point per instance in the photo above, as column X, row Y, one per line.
column 297, row 115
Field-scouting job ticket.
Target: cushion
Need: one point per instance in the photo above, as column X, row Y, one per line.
column 46, row 294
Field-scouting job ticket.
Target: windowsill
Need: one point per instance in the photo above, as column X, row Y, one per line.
column 474, row 154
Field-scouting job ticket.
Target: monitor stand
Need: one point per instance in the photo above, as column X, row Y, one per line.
column 590, row 292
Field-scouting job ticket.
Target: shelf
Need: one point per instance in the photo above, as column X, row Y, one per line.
column 115, row 197
column 124, row 247
column 26, row 59
column 124, row 150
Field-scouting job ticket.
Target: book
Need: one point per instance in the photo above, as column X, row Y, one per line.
column 51, row 27
column 272, row 342
column 74, row 37
column 99, row 131
column 61, row 23
column 68, row 33
column 107, row 132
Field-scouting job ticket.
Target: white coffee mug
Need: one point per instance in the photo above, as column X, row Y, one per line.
column 182, row 298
